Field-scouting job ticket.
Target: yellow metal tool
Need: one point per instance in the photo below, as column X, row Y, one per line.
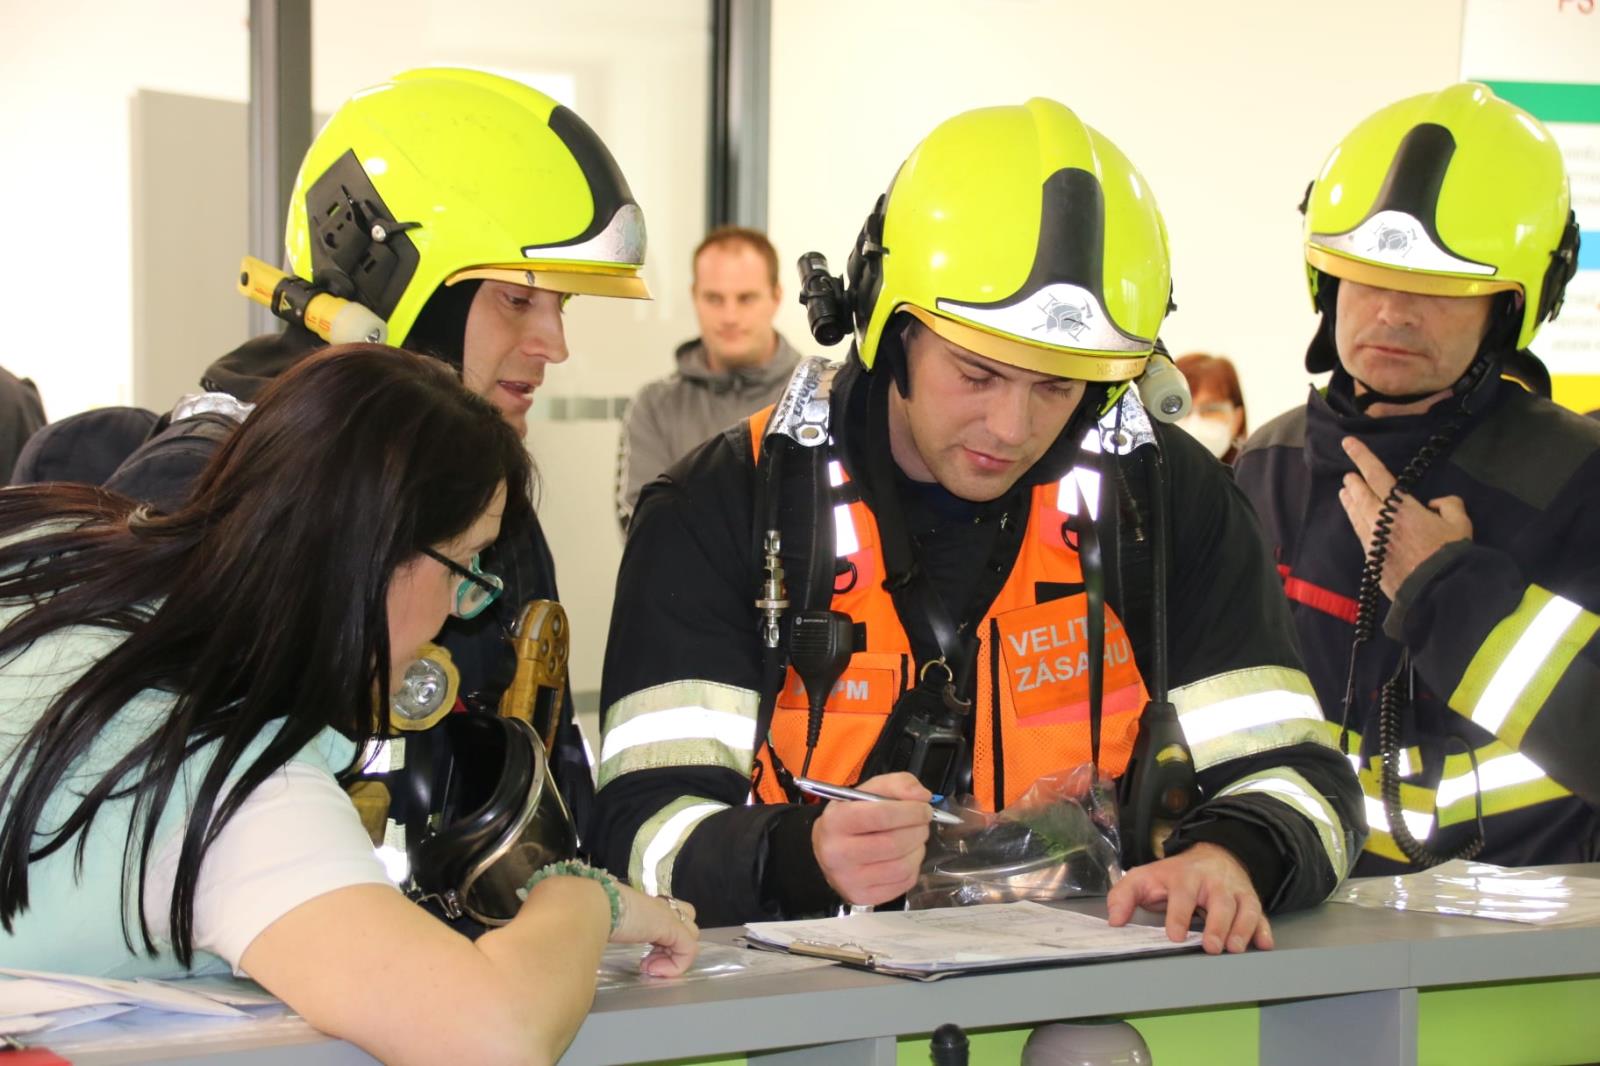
column 543, row 645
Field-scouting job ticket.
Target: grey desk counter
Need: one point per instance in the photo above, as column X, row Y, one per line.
column 1341, row 986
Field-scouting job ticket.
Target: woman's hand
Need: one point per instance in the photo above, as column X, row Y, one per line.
column 665, row 923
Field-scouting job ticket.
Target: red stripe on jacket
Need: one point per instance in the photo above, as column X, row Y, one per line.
column 1316, row 597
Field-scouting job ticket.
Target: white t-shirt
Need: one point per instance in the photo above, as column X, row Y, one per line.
column 293, row 839
column 296, row 837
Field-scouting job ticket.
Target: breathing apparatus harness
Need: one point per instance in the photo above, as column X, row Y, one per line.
column 927, row 730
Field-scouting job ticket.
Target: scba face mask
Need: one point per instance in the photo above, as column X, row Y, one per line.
column 1216, row 436
column 462, row 806
column 471, row 811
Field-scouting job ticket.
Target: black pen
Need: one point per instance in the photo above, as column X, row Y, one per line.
column 840, row 792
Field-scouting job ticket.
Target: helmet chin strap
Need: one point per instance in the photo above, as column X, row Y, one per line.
column 1470, row 380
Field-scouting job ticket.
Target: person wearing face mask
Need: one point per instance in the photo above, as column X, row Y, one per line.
column 466, row 240
column 1217, row 419
column 1434, row 522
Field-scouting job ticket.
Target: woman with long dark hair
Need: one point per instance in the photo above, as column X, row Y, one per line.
column 178, row 692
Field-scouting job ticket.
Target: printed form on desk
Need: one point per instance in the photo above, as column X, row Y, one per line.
column 70, row 1012
column 934, row 943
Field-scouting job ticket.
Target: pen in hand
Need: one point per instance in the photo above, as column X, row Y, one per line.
column 840, row 792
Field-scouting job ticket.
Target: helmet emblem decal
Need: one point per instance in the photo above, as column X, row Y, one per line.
column 1398, row 239
column 1393, row 239
column 1070, row 317
column 1060, row 313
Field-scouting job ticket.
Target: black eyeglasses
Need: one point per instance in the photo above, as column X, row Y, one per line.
column 477, row 589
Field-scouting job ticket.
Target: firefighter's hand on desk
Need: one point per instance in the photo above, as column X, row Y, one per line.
column 871, row 852
column 1205, row 877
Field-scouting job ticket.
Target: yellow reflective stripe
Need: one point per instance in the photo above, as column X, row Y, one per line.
column 1353, row 740
column 1513, row 673
column 1511, row 781
column 1504, row 800
column 1379, row 842
column 1416, row 801
column 1419, row 823
column 681, row 723
column 1410, row 762
column 1246, row 712
column 659, row 840
column 1289, row 787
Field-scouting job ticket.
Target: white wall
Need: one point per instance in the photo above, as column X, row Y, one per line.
column 1227, row 107
column 68, row 73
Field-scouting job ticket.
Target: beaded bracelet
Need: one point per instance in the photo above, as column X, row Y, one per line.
column 578, row 868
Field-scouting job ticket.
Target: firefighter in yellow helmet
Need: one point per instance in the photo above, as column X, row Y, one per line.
column 946, row 571
column 460, row 210
column 1433, row 520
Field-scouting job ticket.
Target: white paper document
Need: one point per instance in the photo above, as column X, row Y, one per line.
column 73, row 990
column 69, row 1011
column 955, row 939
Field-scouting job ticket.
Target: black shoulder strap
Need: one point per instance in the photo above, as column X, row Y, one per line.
column 791, row 512
column 907, row 583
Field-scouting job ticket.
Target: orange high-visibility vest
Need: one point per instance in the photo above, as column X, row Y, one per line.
column 1032, row 700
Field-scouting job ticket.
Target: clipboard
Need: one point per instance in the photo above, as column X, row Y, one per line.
column 928, row 945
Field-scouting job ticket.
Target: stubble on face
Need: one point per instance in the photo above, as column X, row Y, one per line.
column 1402, row 343
column 974, row 425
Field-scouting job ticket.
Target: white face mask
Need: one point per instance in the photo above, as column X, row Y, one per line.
column 1216, row 436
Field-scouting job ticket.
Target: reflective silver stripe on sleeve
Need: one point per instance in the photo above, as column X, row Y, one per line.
column 681, row 723
column 660, row 839
column 1289, row 787
column 1543, row 637
column 1246, row 712
column 1503, row 772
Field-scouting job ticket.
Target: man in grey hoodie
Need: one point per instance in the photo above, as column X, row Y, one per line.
column 738, row 365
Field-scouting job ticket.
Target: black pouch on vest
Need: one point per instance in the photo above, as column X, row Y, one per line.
column 924, row 735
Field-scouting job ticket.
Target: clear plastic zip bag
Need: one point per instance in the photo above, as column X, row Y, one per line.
column 1058, row 841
